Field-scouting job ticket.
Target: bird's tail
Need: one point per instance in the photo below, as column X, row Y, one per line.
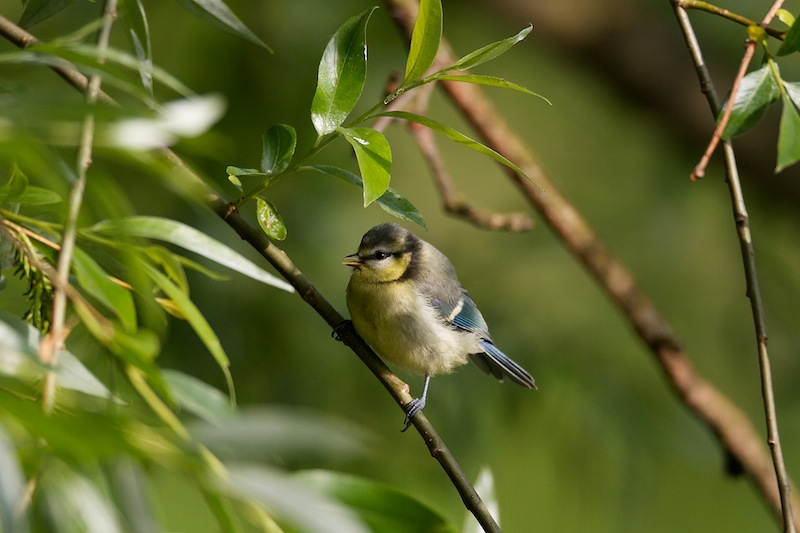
column 494, row 362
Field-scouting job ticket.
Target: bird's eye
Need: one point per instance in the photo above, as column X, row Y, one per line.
column 380, row 256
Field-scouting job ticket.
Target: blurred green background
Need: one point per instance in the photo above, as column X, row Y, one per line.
column 602, row 445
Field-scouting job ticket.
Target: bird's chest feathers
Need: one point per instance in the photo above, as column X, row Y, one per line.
column 401, row 325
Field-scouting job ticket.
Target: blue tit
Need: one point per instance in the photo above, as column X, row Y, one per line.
column 406, row 302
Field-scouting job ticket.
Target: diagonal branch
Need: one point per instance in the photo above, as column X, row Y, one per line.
column 734, row 431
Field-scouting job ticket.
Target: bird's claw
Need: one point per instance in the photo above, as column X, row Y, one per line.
column 340, row 327
column 413, row 407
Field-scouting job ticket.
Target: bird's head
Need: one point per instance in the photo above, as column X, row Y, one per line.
column 387, row 253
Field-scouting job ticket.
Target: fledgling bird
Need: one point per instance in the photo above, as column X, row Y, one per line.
column 406, row 302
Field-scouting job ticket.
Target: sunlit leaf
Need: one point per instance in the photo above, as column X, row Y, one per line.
column 198, row 397
column 785, row 16
column 455, row 136
column 287, row 435
column 390, row 201
column 238, row 171
column 279, row 144
column 424, row 40
column 220, row 16
column 270, row 220
column 380, row 507
column 490, row 51
column 197, row 321
column 342, row 72
column 491, row 81
column 374, row 158
column 96, row 281
column 189, row 238
column 789, row 135
column 791, row 41
column 757, row 91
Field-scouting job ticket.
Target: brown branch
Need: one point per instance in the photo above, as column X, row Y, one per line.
column 729, row 424
column 727, row 14
column 742, row 224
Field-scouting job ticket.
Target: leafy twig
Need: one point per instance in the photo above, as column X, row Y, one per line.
column 742, row 222
column 728, row 423
column 750, row 50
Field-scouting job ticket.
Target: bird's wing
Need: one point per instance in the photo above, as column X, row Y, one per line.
column 458, row 310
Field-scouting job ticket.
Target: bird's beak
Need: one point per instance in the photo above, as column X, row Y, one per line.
column 353, row 261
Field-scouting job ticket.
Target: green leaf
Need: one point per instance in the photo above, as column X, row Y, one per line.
column 270, row 220
column 489, row 52
column 785, row 17
column 381, row 508
column 237, row 171
column 220, row 16
column 18, row 191
column 491, row 81
column 12, row 488
column 198, row 397
column 197, row 321
column 135, row 19
column 189, row 238
column 424, row 40
column 791, row 41
column 19, row 349
column 788, row 135
column 390, row 201
column 279, row 144
column 342, row 73
column 374, row 158
column 757, row 91
column 36, row 11
column 456, row 136
column 98, row 283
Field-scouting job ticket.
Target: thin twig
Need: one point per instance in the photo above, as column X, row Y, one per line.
column 727, row 14
column 742, row 222
column 730, row 425
column 196, row 188
column 50, row 349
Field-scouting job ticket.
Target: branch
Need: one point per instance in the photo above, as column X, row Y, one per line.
column 49, row 350
column 742, row 223
column 725, row 13
column 729, row 424
column 196, row 188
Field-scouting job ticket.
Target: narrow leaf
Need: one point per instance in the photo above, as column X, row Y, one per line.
column 788, row 136
column 374, row 158
column 381, row 508
column 191, row 239
column 270, row 220
column 492, row 81
column 342, row 73
column 12, row 488
column 424, row 40
column 196, row 320
column 279, row 144
column 490, row 51
column 238, row 171
column 135, row 20
column 98, row 283
column 456, row 136
column 391, row 201
column 198, row 397
column 220, row 16
column 791, row 41
column 757, row 91
column 38, row 10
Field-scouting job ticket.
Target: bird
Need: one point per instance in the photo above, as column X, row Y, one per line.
column 406, row 302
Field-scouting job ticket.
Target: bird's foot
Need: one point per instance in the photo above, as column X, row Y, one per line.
column 413, row 407
column 340, row 327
